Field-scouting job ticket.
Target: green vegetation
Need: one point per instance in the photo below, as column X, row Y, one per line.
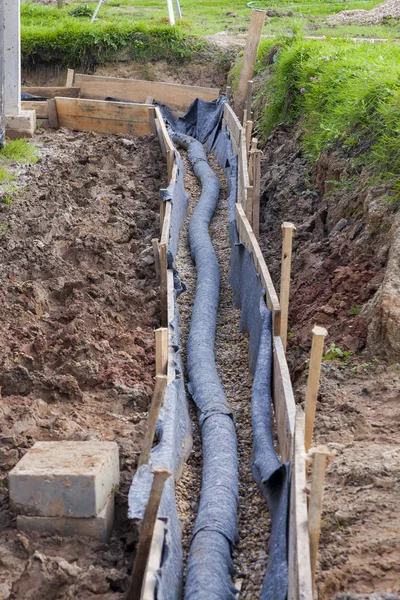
column 335, row 353
column 343, row 94
column 53, row 35
column 19, row 151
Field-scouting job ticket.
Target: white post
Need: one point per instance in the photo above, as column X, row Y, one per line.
column 19, row 123
column 171, row 12
column 12, row 58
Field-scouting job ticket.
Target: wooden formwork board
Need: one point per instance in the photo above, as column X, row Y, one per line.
column 165, row 141
column 246, row 235
column 119, row 118
column 300, row 580
column 283, row 398
column 41, row 108
column 174, row 95
column 234, row 125
column 52, row 92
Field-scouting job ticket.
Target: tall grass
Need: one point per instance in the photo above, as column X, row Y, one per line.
column 343, row 94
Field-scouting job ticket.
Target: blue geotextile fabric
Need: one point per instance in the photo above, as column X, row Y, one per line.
column 210, row 565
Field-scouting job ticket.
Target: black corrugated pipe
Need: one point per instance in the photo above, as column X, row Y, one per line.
column 210, row 565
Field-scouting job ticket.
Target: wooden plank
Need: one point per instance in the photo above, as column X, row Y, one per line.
column 119, row 118
column 41, row 108
column 154, row 562
column 300, row 582
column 256, row 177
column 166, row 223
column 163, row 285
column 283, row 398
column 249, row 59
column 53, row 116
column 233, row 124
column 52, row 92
column 154, row 411
column 161, row 474
column 248, row 238
column 172, row 94
column 156, row 254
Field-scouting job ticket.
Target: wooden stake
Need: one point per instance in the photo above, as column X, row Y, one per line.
column 256, row 164
column 244, row 118
column 70, row 78
column 53, row 116
column 317, row 349
column 60, row 3
column 254, row 143
column 321, row 459
column 163, row 285
column 161, row 474
column 154, row 411
column 249, row 100
column 249, row 129
column 154, row 243
column 250, row 57
column 161, row 351
column 228, row 92
column 287, row 233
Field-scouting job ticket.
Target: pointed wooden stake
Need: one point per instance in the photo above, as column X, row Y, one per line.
column 287, row 234
column 317, row 349
column 154, row 411
column 150, row 516
column 161, row 351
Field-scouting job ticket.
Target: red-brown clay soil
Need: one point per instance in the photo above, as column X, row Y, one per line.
column 340, row 254
column 78, row 309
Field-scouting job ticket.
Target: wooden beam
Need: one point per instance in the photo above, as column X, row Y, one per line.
column 119, row 118
column 300, row 582
column 154, row 411
column 52, row 92
column 161, row 351
column 156, row 253
column 70, row 78
column 321, row 458
column 161, row 474
column 249, row 58
column 173, row 94
column 314, row 371
column 41, row 109
column 283, row 399
column 154, row 562
column 287, row 234
column 166, row 223
column 247, row 237
column 234, row 125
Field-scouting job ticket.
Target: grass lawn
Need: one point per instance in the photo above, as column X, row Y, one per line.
column 206, row 17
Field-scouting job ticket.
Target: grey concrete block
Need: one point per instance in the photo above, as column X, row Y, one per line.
column 65, row 479
column 99, row 527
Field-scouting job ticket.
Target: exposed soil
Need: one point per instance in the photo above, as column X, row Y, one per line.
column 340, row 254
column 79, row 308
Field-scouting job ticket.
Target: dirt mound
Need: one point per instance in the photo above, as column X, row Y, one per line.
column 79, row 307
column 386, row 10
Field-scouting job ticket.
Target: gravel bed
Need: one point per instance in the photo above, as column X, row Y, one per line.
column 231, row 350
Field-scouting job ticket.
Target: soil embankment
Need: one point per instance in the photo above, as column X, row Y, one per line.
column 79, row 306
column 341, row 278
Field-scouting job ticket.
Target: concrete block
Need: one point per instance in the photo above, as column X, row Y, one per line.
column 99, row 527
column 21, row 125
column 65, row 479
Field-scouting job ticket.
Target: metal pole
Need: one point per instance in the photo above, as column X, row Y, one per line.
column 96, row 11
column 2, row 116
column 178, row 9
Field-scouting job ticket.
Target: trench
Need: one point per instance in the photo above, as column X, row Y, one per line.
column 231, row 355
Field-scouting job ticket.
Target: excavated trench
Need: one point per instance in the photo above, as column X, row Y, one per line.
column 231, row 356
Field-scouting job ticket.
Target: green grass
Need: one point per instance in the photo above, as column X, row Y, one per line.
column 52, row 35
column 343, row 94
column 139, row 28
column 19, row 151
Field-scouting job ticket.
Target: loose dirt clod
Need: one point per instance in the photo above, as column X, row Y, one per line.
column 79, row 306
